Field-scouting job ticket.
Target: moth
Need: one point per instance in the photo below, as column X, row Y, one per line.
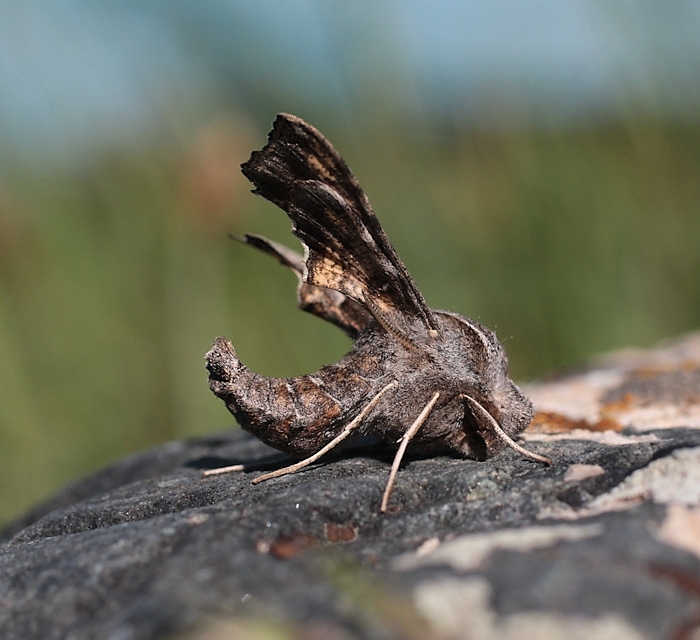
column 426, row 379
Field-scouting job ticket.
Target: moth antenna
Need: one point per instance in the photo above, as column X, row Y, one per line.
column 337, row 440
column 412, row 430
column 504, row 436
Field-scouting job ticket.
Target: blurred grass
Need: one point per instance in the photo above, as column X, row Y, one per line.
column 115, row 277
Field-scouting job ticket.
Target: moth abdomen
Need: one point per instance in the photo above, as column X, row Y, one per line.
column 294, row 415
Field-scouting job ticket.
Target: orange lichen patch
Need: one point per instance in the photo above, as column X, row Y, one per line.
column 651, row 371
column 550, row 422
column 625, row 403
column 644, row 373
column 286, row 547
column 339, row 532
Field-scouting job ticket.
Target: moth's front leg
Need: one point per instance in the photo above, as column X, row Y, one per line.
column 407, row 437
column 493, row 426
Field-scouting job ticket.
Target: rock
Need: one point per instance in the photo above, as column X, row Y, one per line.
column 604, row 544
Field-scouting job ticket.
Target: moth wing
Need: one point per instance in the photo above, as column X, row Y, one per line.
column 327, row 304
column 345, row 247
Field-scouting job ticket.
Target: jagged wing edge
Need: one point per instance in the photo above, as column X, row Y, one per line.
column 345, row 247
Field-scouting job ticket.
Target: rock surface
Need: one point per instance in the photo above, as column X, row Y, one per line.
column 604, row 544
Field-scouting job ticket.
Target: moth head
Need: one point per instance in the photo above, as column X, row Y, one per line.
column 479, row 361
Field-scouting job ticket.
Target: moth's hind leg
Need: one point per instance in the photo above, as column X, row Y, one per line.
column 410, row 432
column 221, row 470
column 333, row 443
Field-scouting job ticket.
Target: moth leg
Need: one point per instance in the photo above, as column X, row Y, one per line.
column 337, row 440
column 504, row 436
column 412, row 430
column 220, row 470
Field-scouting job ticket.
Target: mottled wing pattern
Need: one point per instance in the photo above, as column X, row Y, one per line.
column 345, row 247
column 327, row 304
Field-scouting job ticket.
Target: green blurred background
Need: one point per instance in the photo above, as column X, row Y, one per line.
column 536, row 165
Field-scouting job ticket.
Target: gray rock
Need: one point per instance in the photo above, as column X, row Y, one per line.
column 606, row 543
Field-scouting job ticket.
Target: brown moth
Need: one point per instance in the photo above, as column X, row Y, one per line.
column 434, row 379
